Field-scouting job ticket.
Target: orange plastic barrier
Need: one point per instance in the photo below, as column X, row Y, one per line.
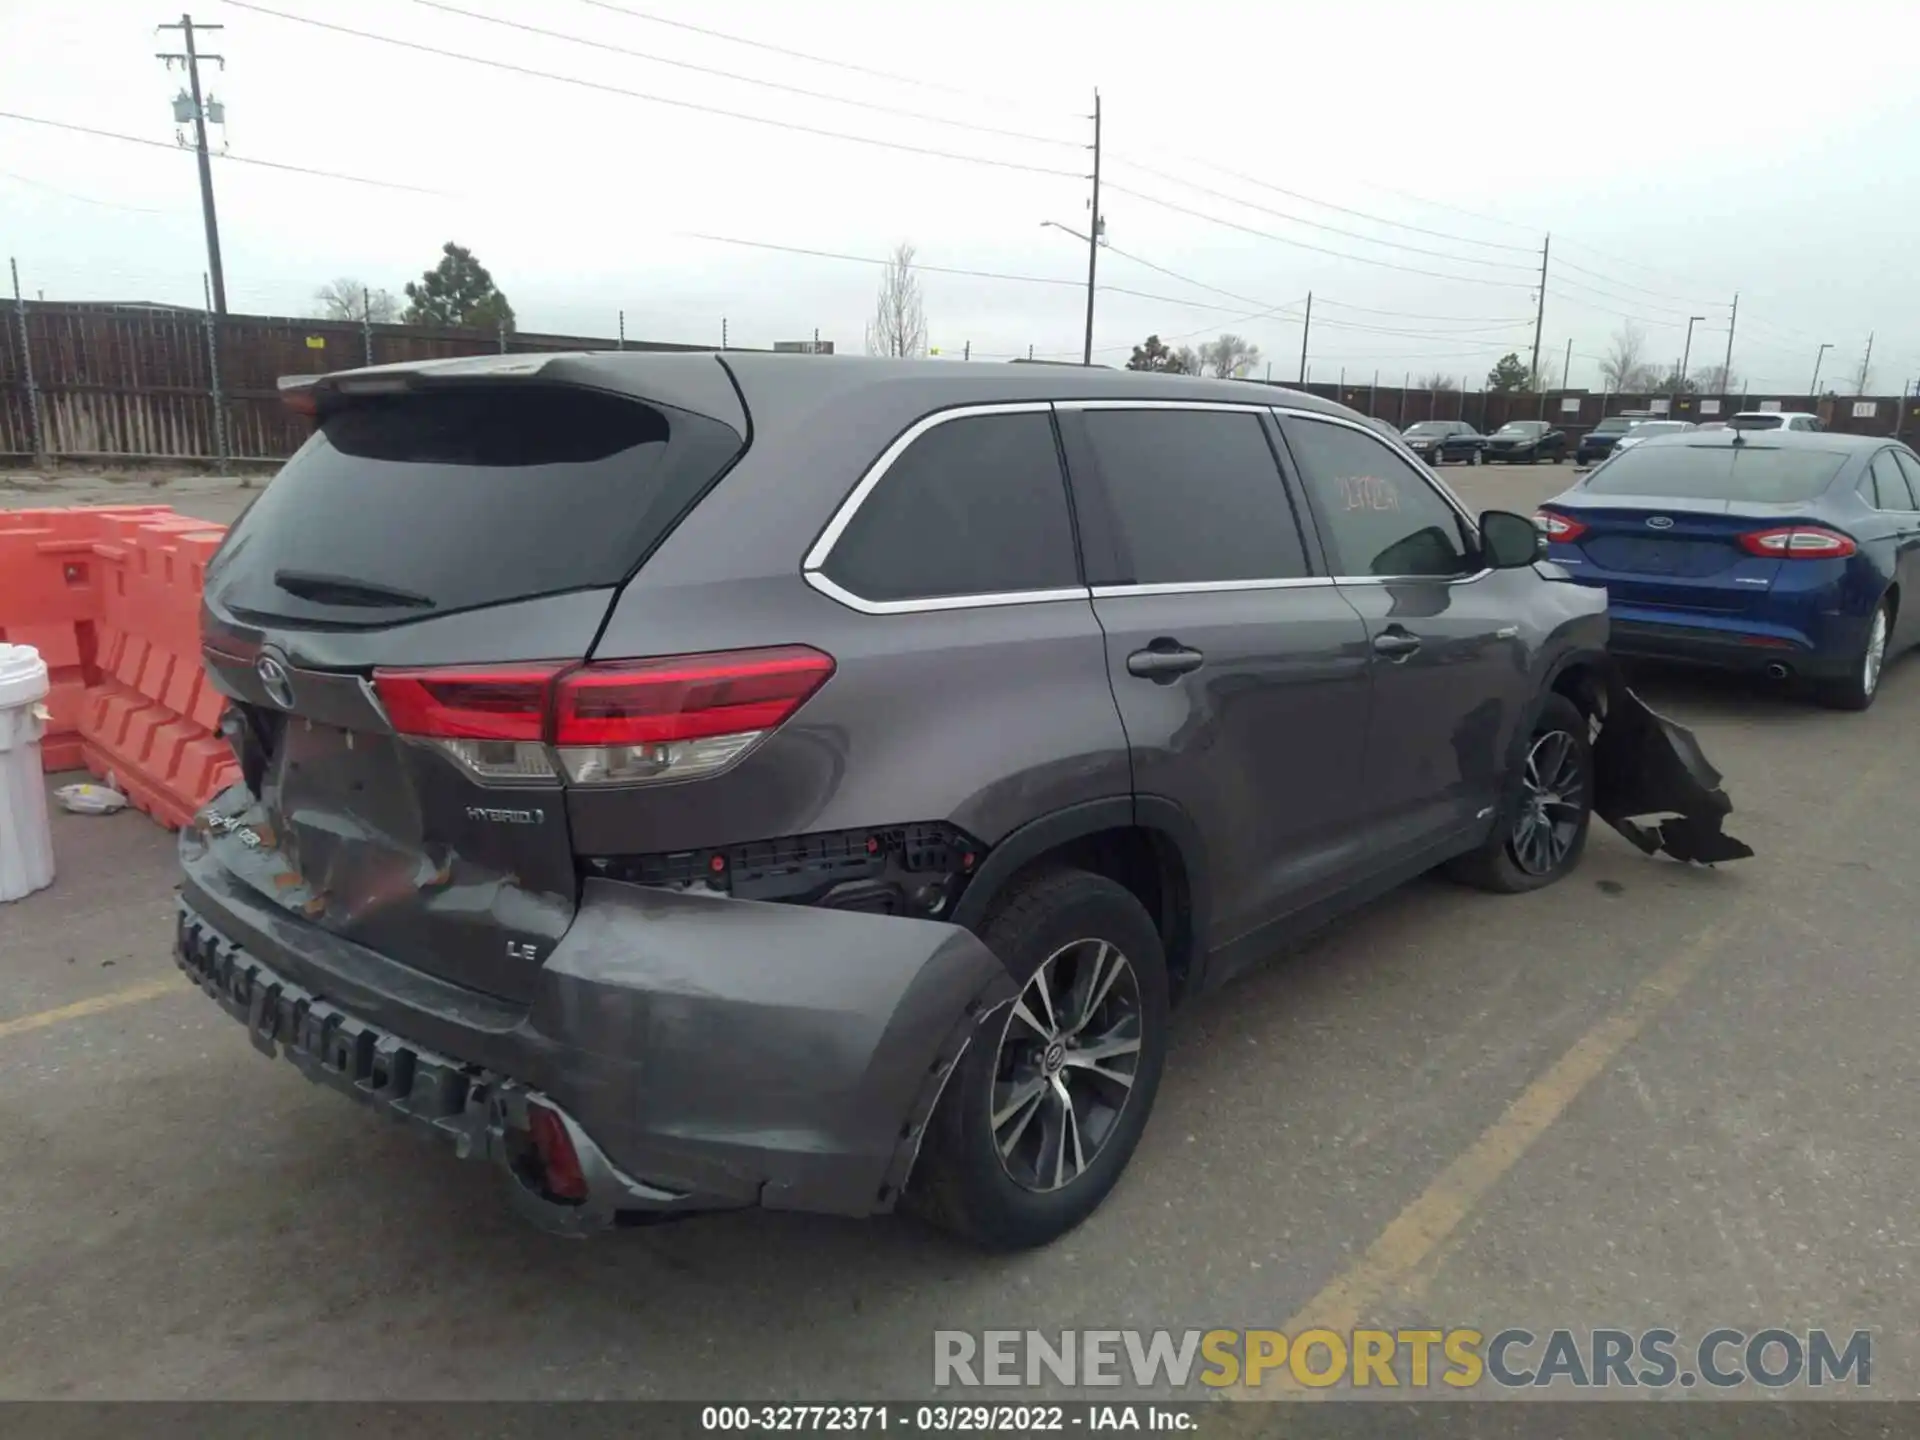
column 150, row 721
column 51, row 599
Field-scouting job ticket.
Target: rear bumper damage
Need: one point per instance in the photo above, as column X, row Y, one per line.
column 1647, row 766
column 699, row 1053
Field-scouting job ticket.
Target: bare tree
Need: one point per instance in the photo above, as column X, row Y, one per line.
column 1229, row 357
column 1625, row 358
column 1644, row 379
column 1434, row 380
column 1186, row 361
column 1718, row 380
column 899, row 324
column 348, row 298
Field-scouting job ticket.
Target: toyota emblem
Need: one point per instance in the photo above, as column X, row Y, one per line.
column 275, row 680
column 1660, row 522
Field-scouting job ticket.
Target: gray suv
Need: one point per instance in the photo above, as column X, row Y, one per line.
column 694, row 782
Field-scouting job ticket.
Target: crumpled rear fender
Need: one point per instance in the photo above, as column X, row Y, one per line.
column 1647, row 766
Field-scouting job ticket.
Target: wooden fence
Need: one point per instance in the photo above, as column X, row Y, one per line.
column 104, row 382
column 138, row 383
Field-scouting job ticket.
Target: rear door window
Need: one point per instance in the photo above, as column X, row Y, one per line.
column 1380, row 516
column 977, row 505
column 1889, row 486
column 1192, row 496
column 1910, row 472
column 409, row 505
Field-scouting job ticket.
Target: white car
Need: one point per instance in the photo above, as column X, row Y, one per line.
column 1775, row 420
column 1647, row 429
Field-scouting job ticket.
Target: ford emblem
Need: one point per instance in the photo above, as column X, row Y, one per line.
column 1660, row 522
column 275, row 680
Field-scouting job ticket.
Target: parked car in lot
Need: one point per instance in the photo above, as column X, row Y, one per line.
column 696, row 782
column 1647, row 429
column 1775, row 420
column 1596, row 444
column 1437, row 441
column 1789, row 553
column 1526, row 442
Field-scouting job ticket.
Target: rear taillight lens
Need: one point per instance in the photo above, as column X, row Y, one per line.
column 1799, row 542
column 1557, row 527
column 675, row 719
column 610, row 723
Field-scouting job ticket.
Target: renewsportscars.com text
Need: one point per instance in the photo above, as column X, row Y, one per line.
column 1459, row 1359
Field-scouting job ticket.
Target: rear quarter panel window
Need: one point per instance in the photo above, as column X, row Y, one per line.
column 976, row 505
column 1379, row 515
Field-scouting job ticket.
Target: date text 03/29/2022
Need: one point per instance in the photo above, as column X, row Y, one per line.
column 1376, row 1360
column 952, row 1418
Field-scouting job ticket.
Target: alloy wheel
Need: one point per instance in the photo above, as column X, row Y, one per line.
column 1876, row 655
column 1551, row 804
column 1066, row 1064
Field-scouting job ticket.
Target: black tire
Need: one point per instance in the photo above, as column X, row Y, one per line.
column 1858, row 687
column 1504, row 864
column 961, row 1183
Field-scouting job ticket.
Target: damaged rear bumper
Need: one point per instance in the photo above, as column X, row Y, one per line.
column 701, row 1053
column 1654, row 784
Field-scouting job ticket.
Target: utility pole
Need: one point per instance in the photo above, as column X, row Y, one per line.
column 1686, row 355
column 1726, row 380
column 1814, row 388
column 1093, row 235
column 623, row 330
column 191, row 59
column 1540, row 313
column 1866, row 367
column 1566, row 366
column 1305, row 331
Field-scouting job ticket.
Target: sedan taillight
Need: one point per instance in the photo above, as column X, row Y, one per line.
column 1799, row 542
column 1560, row 529
column 621, row 722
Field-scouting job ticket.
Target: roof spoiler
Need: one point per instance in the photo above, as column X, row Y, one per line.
column 309, row 394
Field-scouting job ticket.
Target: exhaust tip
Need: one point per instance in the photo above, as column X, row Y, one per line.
column 1777, row 671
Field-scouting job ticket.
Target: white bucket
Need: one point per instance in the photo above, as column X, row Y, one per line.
column 26, row 842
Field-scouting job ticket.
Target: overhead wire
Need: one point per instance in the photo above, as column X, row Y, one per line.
column 800, row 90
column 791, row 125
column 1301, row 244
column 1320, row 225
column 83, row 199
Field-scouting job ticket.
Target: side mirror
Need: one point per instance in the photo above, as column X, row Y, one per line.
column 1509, row 541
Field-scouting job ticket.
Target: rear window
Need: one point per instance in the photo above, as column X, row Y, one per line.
column 401, row 506
column 1614, row 425
column 1718, row 472
column 1757, row 422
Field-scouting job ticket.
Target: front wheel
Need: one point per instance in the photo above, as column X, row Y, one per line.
column 1542, row 830
column 1048, row 1103
column 1856, row 689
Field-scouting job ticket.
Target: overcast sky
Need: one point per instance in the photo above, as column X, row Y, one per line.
column 1678, row 152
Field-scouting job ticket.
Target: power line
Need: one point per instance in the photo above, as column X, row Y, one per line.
column 1641, row 289
column 1175, row 274
column 1329, row 205
column 1303, row 245
column 1448, row 319
column 768, row 46
column 747, row 79
column 83, row 199
column 584, row 84
column 1320, row 225
column 221, row 155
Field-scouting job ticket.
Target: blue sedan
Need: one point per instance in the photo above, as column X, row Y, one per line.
column 1792, row 554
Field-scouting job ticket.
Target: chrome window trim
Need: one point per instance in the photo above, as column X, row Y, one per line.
column 1248, row 407
column 1212, row 587
column 865, row 606
column 812, row 564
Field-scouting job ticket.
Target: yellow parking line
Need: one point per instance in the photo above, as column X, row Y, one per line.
column 1419, row 1235
column 112, row 1000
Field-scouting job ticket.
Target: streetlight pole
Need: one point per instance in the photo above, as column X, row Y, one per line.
column 1819, row 355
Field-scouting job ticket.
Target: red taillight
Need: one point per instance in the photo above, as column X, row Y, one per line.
column 1560, row 529
column 1799, row 542
column 500, row 702
column 688, row 697
column 614, row 722
column 559, row 1161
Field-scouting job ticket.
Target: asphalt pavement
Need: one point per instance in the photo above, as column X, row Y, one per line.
column 1651, row 1096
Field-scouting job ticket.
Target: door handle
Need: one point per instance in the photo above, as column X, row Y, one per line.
column 1395, row 644
column 1164, row 662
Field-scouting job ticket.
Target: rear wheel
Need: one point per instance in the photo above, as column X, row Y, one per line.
column 1051, row 1097
column 1473, row 456
column 1543, row 827
column 1856, row 689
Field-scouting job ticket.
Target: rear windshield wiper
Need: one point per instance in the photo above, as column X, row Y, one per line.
column 344, row 590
